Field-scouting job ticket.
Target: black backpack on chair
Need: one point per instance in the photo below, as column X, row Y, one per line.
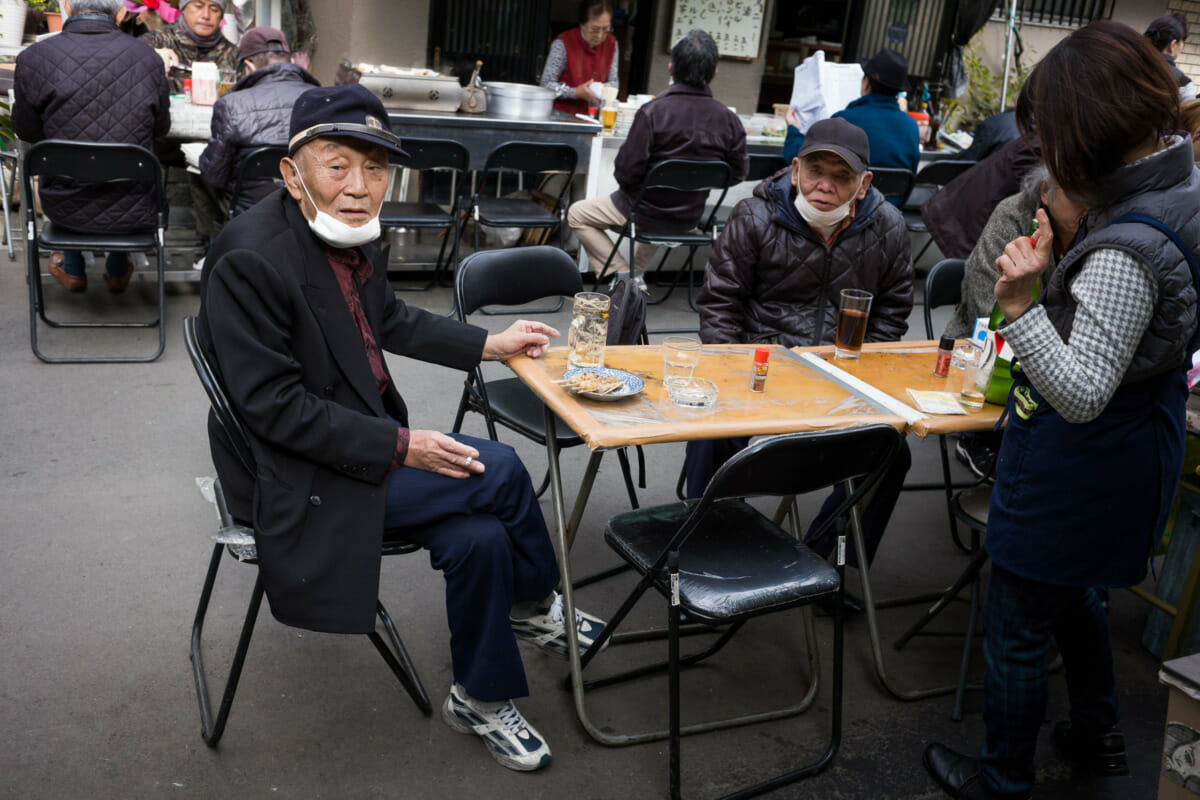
column 627, row 325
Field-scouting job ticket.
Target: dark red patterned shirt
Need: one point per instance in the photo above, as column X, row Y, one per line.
column 352, row 269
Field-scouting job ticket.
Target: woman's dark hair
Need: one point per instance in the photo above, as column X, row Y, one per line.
column 1098, row 94
column 590, row 9
column 694, row 59
column 1165, row 30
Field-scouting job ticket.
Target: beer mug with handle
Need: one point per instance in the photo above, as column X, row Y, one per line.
column 588, row 331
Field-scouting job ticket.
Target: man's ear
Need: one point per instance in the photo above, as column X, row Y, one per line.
column 796, row 172
column 866, row 184
column 291, row 179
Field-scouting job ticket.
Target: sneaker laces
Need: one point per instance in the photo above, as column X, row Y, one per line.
column 557, row 616
column 512, row 719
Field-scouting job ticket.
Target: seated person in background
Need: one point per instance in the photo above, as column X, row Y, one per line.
column 1167, row 34
column 92, row 83
column 777, row 271
column 195, row 36
column 254, row 113
column 295, row 313
column 581, row 56
column 990, row 135
column 895, row 140
column 1011, row 220
column 682, row 121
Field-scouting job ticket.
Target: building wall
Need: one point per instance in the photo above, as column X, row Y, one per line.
column 1189, row 59
column 394, row 32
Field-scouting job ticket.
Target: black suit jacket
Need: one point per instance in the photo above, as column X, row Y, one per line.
column 279, row 333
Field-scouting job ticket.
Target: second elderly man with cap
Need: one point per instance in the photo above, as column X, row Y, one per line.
column 295, row 314
column 777, row 271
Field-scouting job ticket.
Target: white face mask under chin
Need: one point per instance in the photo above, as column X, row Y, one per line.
column 334, row 232
column 823, row 222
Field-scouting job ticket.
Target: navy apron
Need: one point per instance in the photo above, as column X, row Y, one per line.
column 1085, row 504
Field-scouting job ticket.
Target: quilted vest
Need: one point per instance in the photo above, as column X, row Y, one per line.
column 584, row 64
column 1166, row 186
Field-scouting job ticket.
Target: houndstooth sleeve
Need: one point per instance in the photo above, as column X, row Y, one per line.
column 1116, row 294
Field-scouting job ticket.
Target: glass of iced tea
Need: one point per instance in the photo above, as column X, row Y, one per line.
column 589, row 330
column 852, row 322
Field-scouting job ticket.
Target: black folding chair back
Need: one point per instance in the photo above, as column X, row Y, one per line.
column 260, row 164
column 928, row 182
column 396, row 657
column 677, row 175
column 892, row 182
column 93, row 163
column 431, row 155
column 721, row 562
column 943, row 287
column 764, row 165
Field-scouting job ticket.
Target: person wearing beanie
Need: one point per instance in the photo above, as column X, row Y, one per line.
column 195, row 36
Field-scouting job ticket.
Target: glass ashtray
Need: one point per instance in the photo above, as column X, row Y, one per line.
column 692, row 393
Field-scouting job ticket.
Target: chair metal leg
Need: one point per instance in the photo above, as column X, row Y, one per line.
column 968, row 641
column 673, row 667
column 8, row 237
column 623, row 457
column 211, row 730
column 969, row 577
column 920, row 253
column 399, row 662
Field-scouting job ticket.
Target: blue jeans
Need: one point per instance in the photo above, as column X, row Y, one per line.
column 1019, row 618
column 117, row 264
column 487, row 536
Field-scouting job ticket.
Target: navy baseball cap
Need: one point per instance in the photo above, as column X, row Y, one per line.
column 350, row 111
column 844, row 139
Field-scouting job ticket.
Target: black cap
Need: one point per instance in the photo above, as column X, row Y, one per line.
column 350, row 111
column 947, row 343
column 844, row 139
column 887, row 69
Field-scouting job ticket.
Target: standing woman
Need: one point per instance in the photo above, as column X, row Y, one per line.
column 1167, row 34
column 582, row 56
column 1095, row 423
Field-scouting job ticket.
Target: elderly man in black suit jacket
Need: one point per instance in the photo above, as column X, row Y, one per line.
column 295, row 313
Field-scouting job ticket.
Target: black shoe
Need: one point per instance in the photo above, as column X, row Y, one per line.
column 1104, row 755
column 977, row 453
column 958, row 775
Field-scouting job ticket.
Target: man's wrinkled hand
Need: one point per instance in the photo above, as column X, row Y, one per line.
column 523, row 336
column 169, row 57
column 433, row 451
column 1021, row 264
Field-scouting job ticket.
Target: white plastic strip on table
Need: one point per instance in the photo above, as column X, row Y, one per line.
column 863, row 389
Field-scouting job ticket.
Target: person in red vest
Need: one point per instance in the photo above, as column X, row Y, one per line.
column 582, row 56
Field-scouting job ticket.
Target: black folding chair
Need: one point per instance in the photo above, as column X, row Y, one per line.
column 677, row 175
column 505, row 278
column 119, row 165
column 721, row 562
column 253, row 169
column 430, row 156
column 6, row 189
column 543, row 159
column 928, row 182
column 396, row 657
column 892, row 182
column 762, row 166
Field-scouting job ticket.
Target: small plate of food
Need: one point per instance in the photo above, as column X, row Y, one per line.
column 601, row 383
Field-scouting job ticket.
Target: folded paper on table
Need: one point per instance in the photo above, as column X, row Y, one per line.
column 936, row 402
column 821, row 88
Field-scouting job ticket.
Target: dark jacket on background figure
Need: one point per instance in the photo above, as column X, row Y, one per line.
column 256, row 112
column 92, row 83
column 771, row 279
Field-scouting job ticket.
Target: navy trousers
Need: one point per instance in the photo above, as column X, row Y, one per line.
column 1019, row 618
column 704, row 458
column 487, row 536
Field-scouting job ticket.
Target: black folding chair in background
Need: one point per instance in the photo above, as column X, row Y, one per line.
column 489, row 207
column 396, row 657
column 928, row 182
column 892, row 182
column 721, row 562
column 251, row 172
column 509, row 277
column 762, row 166
column 430, row 157
column 117, row 165
column 676, row 175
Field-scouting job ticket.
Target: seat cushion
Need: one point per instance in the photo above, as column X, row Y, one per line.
column 516, row 406
column 737, row 562
column 971, row 505
column 56, row 237
column 914, row 223
column 414, row 215
column 513, row 211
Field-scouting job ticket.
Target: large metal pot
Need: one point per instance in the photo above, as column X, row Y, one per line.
column 519, row 100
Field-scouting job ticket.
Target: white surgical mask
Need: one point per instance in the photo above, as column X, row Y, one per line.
column 335, row 233
column 823, row 222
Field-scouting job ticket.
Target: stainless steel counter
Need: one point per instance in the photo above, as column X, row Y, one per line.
column 481, row 133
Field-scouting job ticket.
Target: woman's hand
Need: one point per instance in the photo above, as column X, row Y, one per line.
column 582, row 92
column 436, row 452
column 1023, row 261
column 523, row 336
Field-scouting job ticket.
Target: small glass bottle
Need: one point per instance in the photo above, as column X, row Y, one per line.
column 941, row 367
column 761, row 356
column 187, row 89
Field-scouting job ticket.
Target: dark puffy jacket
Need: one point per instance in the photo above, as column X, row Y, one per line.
column 92, row 83
column 770, row 279
column 256, row 112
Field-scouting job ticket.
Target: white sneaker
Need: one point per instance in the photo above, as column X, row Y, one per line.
column 547, row 629
column 512, row 741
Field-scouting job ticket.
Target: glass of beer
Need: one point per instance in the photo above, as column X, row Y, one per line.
column 589, row 330
column 608, row 117
column 852, row 322
column 971, row 394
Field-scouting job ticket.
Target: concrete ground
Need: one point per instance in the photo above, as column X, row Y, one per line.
column 104, row 540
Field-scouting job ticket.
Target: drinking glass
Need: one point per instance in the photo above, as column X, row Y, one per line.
column 608, row 117
column 970, row 394
column 680, row 355
column 852, row 322
column 588, row 331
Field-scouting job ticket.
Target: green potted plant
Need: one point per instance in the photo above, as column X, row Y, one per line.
column 49, row 11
